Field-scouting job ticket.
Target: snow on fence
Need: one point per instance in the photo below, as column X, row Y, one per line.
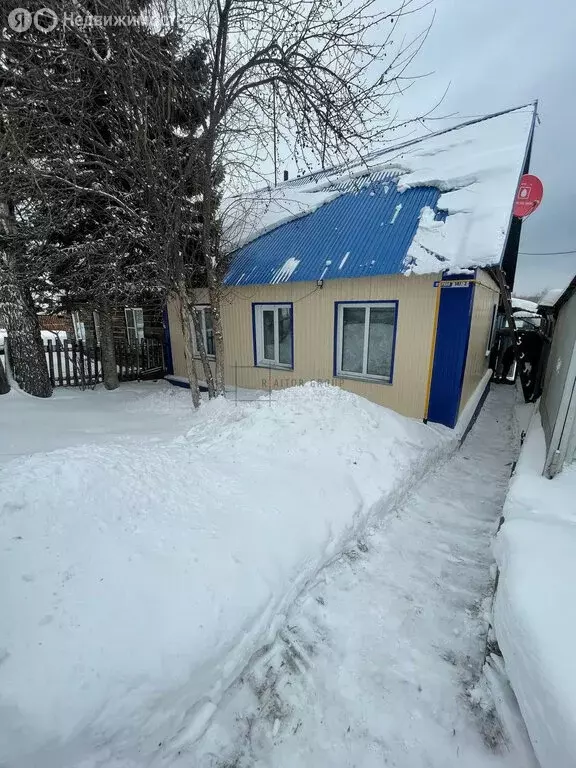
column 79, row 363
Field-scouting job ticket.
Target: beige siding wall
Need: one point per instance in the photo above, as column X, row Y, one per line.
column 485, row 298
column 314, row 336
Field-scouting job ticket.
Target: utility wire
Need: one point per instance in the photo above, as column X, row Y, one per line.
column 546, row 253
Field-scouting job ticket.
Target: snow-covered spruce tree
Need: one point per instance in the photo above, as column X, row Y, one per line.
column 331, row 67
column 112, row 115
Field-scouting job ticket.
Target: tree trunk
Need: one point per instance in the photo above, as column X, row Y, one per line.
column 24, row 342
column 4, row 385
column 214, row 286
column 108, row 355
column 186, row 321
column 202, row 352
column 25, row 345
column 215, row 292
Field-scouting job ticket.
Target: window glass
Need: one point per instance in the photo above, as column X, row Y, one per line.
column 284, row 336
column 380, row 341
column 203, row 316
column 79, row 327
column 365, row 336
column 134, row 323
column 268, row 331
column 139, row 323
column 209, row 332
column 353, row 321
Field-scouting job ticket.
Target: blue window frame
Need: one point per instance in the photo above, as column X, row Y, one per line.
column 365, row 339
column 273, row 335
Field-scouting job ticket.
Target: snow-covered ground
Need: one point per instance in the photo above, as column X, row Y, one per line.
column 376, row 663
column 535, row 607
column 75, row 417
column 146, row 560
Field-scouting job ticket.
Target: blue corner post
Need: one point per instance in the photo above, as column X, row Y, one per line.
column 452, row 336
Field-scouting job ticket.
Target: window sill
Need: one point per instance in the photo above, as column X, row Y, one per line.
column 274, row 366
column 364, row 379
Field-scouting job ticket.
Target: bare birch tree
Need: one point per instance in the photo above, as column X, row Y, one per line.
column 331, row 67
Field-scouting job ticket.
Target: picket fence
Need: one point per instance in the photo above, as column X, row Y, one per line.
column 79, row 363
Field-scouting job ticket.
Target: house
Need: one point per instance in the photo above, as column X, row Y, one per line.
column 377, row 277
column 558, row 402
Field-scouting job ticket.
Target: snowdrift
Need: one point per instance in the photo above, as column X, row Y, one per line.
column 140, row 578
column 535, row 609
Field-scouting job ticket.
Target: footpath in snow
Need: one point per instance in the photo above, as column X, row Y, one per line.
column 376, row 664
column 141, row 571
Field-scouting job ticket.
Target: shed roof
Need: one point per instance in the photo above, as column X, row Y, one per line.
column 524, row 304
column 442, row 202
column 555, row 298
column 551, row 297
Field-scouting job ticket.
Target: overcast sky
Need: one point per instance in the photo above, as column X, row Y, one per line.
column 501, row 53
column 496, row 54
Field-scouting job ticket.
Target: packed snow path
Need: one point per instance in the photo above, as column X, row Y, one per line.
column 377, row 660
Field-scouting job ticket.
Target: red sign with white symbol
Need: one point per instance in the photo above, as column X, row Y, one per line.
column 529, row 196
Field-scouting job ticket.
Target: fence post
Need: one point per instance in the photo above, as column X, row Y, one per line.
column 82, row 358
column 90, row 362
column 75, row 376
column 148, row 360
column 138, row 346
column 67, row 362
column 97, row 376
column 58, row 346
column 50, row 362
column 118, row 351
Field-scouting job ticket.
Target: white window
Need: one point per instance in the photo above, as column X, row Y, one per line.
column 134, row 323
column 365, row 339
column 273, row 335
column 204, row 316
column 79, row 327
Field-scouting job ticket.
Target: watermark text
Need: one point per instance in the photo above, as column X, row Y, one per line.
column 46, row 20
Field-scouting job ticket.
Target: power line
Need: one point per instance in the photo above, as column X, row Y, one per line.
column 546, row 253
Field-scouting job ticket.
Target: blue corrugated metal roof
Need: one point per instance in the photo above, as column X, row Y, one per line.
column 363, row 232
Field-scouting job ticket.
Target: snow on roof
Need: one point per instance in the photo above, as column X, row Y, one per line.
column 551, row 297
column 476, row 166
column 249, row 216
column 528, row 306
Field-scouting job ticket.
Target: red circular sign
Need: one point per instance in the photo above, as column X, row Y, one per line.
column 529, row 195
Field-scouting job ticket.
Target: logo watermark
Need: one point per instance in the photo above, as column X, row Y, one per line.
column 46, row 20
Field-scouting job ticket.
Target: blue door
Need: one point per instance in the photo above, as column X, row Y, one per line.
column 452, row 334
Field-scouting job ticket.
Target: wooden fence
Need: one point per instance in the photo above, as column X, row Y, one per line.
column 79, row 364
